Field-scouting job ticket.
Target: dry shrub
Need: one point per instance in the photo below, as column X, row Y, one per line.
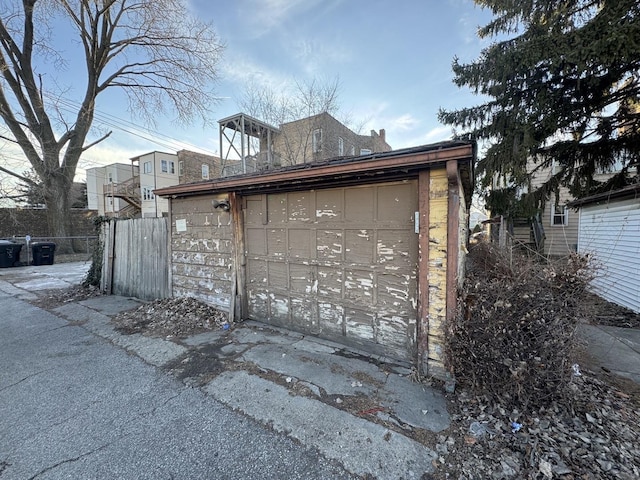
column 513, row 338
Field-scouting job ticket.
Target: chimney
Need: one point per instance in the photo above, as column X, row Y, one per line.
column 383, row 134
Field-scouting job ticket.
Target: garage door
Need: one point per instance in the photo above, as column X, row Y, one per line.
column 337, row 263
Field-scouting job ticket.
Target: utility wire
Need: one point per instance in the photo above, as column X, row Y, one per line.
column 132, row 128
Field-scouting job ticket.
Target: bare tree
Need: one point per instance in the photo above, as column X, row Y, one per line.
column 152, row 50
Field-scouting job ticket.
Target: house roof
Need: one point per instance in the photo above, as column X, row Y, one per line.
column 249, row 126
column 630, row 191
column 138, row 157
column 340, row 171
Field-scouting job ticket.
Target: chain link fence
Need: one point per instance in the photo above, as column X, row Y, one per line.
column 68, row 249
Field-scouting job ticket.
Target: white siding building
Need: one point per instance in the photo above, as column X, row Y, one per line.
column 101, row 181
column 609, row 230
column 157, row 170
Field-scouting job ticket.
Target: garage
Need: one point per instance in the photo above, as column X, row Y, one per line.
column 340, row 263
column 365, row 251
column 609, row 227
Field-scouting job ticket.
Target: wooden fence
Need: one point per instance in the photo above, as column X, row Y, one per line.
column 135, row 259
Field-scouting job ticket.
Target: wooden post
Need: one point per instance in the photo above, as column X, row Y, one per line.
column 238, row 286
column 423, row 271
column 111, row 249
column 169, row 265
column 453, row 237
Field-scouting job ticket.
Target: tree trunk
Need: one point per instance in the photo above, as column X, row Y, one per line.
column 57, row 202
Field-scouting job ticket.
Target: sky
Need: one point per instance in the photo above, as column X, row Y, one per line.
column 392, row 59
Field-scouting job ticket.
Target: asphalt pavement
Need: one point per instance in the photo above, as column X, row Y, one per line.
column 80, row 400
column 73, row 405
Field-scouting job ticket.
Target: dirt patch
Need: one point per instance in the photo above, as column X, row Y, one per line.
column 54, row 298
column 172, row 317
column 602, row 312
column 592, row 435
column 198, row 366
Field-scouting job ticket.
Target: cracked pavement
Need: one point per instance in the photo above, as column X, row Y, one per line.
column 73, row 405
column 249, row 402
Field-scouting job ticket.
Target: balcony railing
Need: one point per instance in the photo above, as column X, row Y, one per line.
column 128, row 190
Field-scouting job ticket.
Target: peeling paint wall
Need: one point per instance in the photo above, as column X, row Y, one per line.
column 339, row 263
column 437, row 270
column 463, row 236
column 202, row 251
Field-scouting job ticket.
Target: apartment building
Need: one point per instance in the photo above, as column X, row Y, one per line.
column 101, row 182
column 126, row 190
column 249, row 144
column 554, row 230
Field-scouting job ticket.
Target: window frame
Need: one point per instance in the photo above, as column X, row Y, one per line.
column 147, row 193
column 563, row 216
column 202, row 171
column 317, row 140
column 340, row 146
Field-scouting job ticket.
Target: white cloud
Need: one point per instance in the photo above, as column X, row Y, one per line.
column 403, row 122
column 264, row 16
column 438, row 134
column 317, row 57
column 243, row 70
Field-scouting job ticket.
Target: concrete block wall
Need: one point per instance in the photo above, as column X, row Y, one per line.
column 202, row 251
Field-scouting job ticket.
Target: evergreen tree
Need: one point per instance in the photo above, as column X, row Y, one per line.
column 563, row 85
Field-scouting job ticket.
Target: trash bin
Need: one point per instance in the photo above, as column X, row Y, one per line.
column 43, row 253
column 9, row 253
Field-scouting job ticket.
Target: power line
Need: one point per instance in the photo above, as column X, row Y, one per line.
column 133, row 128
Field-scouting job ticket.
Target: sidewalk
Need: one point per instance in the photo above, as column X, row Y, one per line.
column 613, row 348
column 350, row 408
column 25, row 281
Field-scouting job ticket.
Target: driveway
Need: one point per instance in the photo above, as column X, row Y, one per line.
column 73, row 405
column 80, row 400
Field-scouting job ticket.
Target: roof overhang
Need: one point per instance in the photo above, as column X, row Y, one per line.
column 387, row 166
column 630, row 191
column 251, row 124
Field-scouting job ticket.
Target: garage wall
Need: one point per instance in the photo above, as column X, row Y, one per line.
column 202, row 254
column 610, row 232
column 338, row 263
column 437, row 271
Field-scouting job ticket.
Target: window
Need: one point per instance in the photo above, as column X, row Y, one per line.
column 181, row 168
column 147, row 167
column 353, row 150
column 340, row 146
column 365, row 151
column 167, row 166
column 317, row 140
column 559, row 215
column 205, row 171
column 147, row 193
column 110, row 177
